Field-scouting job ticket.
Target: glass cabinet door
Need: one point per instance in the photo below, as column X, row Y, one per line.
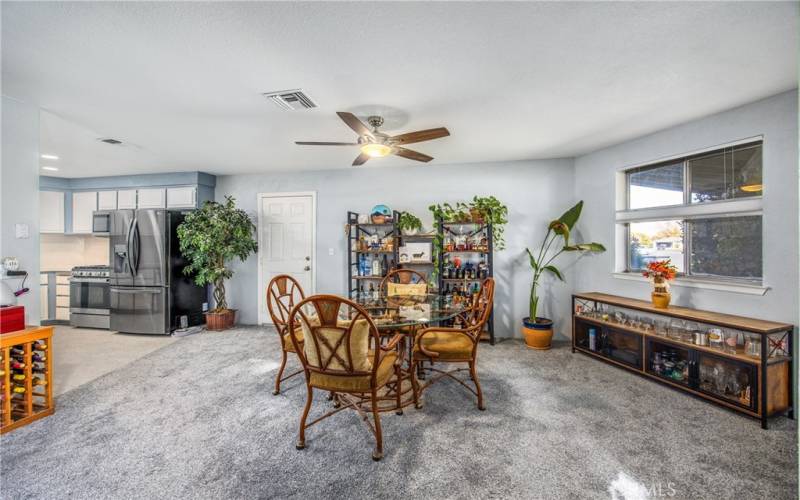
column 621, row 346
column 670, row 362
column 728, row 380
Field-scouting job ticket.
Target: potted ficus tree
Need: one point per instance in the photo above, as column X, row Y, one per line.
column 538, row 331
column 209, row 238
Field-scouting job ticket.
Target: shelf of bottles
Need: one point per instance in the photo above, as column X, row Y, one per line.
column 26, row 376
column 465, row 259
column 372, row 252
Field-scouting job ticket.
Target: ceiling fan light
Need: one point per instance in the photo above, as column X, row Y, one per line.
column 376, row 150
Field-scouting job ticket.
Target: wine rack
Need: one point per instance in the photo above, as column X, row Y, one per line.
column 27, row 376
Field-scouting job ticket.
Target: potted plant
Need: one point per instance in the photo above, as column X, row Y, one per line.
column 409, row 223
column 660, row 273
column 209, row 237
column 490, row 209
column 538, row 331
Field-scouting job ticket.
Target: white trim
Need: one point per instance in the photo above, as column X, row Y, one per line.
column 724, row 208
column 264, row 318
column 724, row 286
column 692, row 153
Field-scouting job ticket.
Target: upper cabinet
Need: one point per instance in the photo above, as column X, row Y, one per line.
column 126, row 199
column 107, row 200
column 182, row 197
column 84, row 203
column 51, row 212
column 152, row 198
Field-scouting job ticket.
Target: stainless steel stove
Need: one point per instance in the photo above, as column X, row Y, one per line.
column 89, row 297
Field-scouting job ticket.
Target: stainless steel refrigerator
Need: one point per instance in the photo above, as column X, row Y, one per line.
column 149, row 292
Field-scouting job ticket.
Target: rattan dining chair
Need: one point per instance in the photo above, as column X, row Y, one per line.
column 403, row 282
column 283, row 292
column 341, row 352
column 454, row 345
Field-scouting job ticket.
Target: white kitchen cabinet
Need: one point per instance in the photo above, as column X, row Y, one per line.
column 51, row 212
column 84, row 203
column 107, row 200
column 151, row 198
column 182, row 197
column 126, row 199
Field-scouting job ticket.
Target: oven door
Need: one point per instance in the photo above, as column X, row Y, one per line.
column 89, row 295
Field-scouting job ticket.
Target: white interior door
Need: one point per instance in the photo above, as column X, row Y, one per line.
column 286, row 241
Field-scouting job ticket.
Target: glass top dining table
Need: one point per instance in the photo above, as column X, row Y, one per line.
column 392, row 312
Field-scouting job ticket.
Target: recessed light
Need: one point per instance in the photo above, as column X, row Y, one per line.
column 50, row 157
column 50, row 169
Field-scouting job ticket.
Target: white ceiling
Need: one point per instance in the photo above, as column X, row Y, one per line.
column 182, row 82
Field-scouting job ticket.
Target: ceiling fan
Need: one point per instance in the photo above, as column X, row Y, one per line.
column 375, row 144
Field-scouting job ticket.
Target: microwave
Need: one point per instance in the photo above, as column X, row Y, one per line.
column 101, row 223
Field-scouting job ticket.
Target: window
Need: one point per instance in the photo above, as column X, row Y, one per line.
column 701, row 211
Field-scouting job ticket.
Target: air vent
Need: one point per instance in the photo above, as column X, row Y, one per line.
column 108, row 140
column 291, row 99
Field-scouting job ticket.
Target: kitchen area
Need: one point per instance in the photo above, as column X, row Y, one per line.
column 110, row 270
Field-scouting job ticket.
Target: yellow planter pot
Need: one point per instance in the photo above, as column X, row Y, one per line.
column 538, row 335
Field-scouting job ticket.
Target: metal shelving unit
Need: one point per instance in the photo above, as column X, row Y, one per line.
column 354, row 233
column 468, row 229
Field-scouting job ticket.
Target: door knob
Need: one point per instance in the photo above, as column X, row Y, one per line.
column 307, row 268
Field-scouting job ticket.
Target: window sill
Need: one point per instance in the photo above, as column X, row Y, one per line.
column 703, row 284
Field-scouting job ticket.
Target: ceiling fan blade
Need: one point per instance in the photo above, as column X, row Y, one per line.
column 354, row 123
column 312, row 143
column 361, row 159
column 412, row 155
column 421, row 135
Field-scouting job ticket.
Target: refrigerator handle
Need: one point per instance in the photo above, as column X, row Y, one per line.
column 136, row 245
column 128, row 253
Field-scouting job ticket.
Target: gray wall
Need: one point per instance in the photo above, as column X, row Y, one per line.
column 19, row 190
column 535, row 192
column 776, row 119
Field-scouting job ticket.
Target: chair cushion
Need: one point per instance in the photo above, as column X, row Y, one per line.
column 288, row 345
column 349, row 383
column 359, row 346
column 394, row 289
column 449, row 345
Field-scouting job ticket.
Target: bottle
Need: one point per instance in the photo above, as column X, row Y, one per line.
column 18, row 376
column 371, row 291
column 38, row 381
column 376, row 267
column 38, row 358
column 592, row 339
column 361, row 258
column 37, row 369
column 385, row 264
column 16, row 351
column 18, row 389
column 39, row 345
column 16, row 365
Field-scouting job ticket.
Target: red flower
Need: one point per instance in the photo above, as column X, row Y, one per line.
column 660, row 269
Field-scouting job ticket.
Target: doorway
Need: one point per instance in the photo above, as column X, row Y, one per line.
column 287, row 234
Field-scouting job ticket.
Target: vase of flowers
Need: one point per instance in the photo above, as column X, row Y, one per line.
column 660, row 273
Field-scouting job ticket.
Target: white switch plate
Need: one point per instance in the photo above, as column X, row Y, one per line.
column 21, row 231
column 330, row 251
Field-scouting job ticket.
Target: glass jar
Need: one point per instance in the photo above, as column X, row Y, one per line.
column 731, row 341
column 715, row 338
column 752, row 347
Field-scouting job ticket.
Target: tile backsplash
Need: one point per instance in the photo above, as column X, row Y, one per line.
column 62, row 252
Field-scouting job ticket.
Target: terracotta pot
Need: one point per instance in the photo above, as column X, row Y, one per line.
column 476, row 215
column 222, row 320
column 378, row 219
column 538, row 334
column 660, row 300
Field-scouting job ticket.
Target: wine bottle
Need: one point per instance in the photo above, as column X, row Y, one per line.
column 16, row 365
column 39, row 345
column 39, row 358
column 16, row 351
column 371, row 291
column 376, row 267
column 18, row 376
column 38, row 381
column 385, row 264
column 18, row 389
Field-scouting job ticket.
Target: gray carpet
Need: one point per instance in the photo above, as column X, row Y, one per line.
column 197, row 419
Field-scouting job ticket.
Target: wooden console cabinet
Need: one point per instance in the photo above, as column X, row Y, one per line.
column 661, row 344
column 27, row 376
